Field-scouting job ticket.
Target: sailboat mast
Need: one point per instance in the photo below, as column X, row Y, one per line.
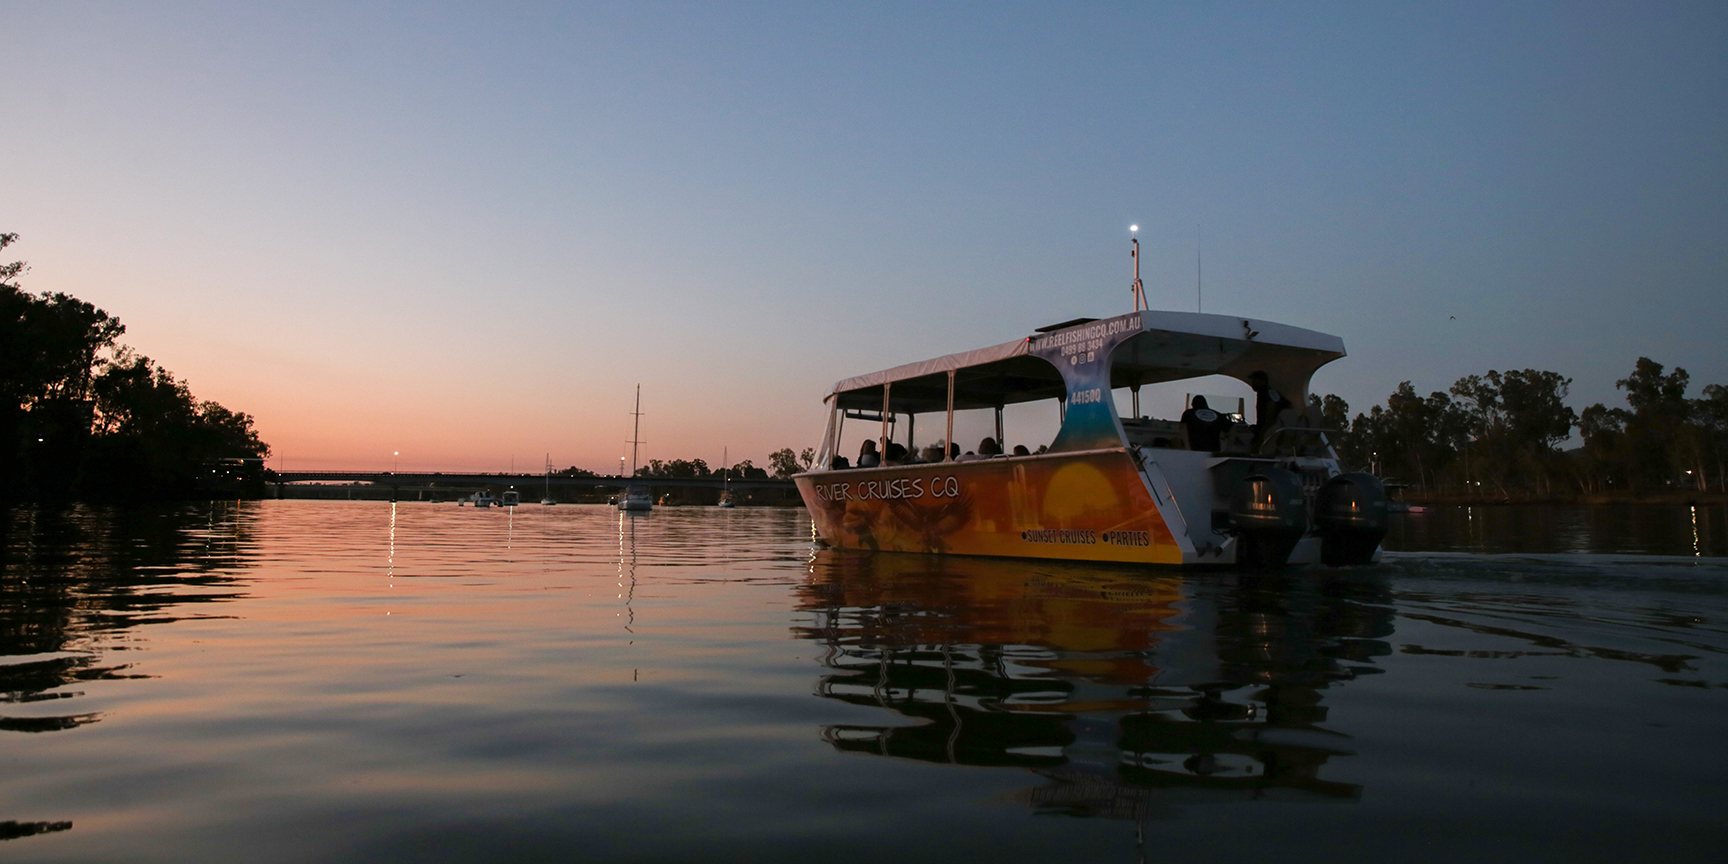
column 636, row 431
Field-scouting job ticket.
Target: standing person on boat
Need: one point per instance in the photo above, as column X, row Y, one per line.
column 1205, row 427
column 1268, row 403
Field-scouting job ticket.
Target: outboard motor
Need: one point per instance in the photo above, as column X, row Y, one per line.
column 1351, row 514
column 1269, row 515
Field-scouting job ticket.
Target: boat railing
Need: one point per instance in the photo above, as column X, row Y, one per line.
column 977, row 460
column 1297, row 441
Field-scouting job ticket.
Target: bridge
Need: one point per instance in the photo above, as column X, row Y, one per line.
column 528, row 482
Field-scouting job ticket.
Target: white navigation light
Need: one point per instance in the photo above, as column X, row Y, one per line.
column 1133, row 227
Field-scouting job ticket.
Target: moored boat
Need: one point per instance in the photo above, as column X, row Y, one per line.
column 1130, row 489
column 636, row 498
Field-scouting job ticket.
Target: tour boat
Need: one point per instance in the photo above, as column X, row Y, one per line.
column 1107, row 488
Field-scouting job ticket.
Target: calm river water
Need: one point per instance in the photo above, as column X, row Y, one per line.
column 361, row 681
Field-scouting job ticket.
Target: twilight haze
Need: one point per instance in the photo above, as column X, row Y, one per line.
column 465, row 232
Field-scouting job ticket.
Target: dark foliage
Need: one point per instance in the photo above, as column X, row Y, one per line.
column 83, row 417
column 1501, row 434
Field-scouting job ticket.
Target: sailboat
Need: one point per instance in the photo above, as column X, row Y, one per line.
column 548, row 499
column 636, row 498
column 726, row 482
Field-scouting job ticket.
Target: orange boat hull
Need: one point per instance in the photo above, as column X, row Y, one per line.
column 1073, row 506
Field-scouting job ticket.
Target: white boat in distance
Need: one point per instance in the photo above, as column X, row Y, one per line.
column 636, row 499
column 726, row 480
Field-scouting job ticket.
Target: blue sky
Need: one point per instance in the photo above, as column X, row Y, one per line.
column 466, row 231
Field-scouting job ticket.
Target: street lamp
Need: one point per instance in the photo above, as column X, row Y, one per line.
column 397, row 463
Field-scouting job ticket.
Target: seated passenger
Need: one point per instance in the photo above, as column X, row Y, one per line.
column 954, row 452
column 1020, row 450
column 896, row 454
column 988, row 447
column 867, row 455
column 837, row 463
column 1205, row 427
column 931, row 453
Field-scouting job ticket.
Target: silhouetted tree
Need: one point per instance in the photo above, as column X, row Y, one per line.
column 1503, row 431
column 1711, row 416
column 1604, row 431
column 1412, row 438
column 1515, row 422
column 153, row 438
column 784, row 463
column 80, row 415
column 1657, row 444
column 1333, row 414
column 748, row 471
column 675, row 468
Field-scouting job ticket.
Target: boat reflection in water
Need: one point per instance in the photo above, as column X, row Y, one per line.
column 1125, row 692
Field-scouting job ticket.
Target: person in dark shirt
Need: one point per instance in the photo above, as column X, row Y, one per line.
column 1268, row 403
column 1205, row 427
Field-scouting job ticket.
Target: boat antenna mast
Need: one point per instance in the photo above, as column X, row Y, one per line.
column 1138, row 289
column 635, row 430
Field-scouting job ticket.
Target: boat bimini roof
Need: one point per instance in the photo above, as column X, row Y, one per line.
column 1146, row 347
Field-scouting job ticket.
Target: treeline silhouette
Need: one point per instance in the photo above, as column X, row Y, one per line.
column 782, row 463
column 1500, row 435
column 84, row 417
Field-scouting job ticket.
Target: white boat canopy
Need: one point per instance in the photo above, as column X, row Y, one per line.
column 1170, row 347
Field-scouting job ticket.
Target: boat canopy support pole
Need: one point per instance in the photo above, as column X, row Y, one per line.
column 836, row 418
column 883, row 444
column 999, row 427
column 1134, row 389
column 948, row 443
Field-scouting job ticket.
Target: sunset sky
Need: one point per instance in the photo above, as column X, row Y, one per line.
column 465, row 232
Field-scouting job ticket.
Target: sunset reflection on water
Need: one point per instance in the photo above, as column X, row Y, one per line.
column 374, row 681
